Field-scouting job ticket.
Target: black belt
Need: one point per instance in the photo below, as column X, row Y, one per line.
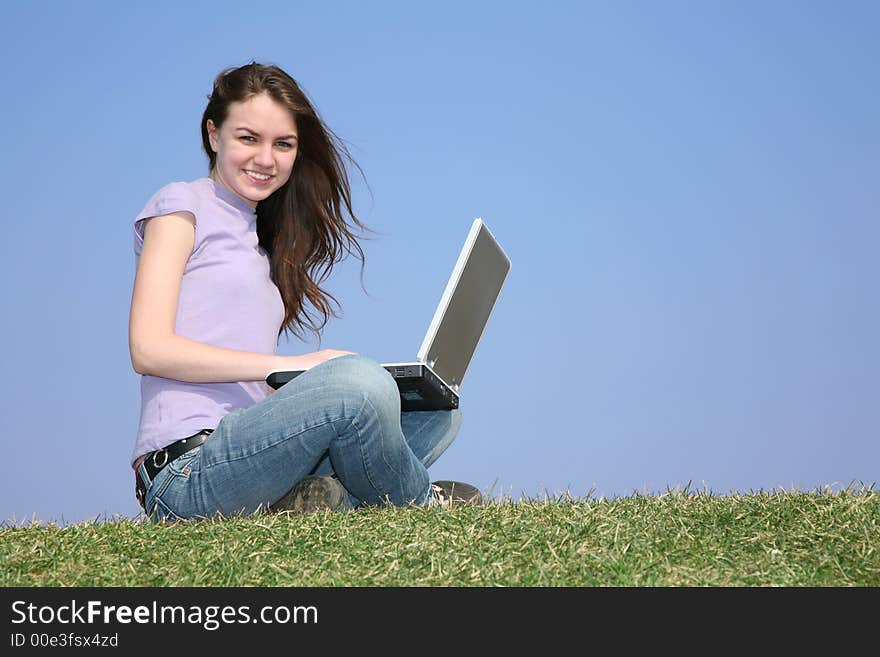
column 155, row 461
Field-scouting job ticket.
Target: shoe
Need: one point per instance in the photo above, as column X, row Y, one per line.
column 447, row 493
column 314, row 493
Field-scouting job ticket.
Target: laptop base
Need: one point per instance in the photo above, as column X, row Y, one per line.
column 420, row 388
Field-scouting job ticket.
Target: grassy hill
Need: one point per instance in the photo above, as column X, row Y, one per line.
column 675, row 539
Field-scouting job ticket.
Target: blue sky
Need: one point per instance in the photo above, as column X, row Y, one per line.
column 688, row 192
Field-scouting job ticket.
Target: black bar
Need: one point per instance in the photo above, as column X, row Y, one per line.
column 167, row 619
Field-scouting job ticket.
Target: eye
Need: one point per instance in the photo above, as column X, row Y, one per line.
column 285, row 144
column 246, row 137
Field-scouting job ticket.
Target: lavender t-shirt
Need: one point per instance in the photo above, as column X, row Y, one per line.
column 227, row 299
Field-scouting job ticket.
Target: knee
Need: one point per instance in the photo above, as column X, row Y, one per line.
column 364, row 377
column 454, row 421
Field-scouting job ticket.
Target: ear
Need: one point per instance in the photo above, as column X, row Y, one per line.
column 212, row 134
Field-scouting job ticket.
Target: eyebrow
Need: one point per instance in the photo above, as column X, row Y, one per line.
column 253, row 132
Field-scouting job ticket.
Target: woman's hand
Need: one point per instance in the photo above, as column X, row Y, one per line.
column 308, row 361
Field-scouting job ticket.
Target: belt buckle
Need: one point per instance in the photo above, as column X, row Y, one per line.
column 164, row 453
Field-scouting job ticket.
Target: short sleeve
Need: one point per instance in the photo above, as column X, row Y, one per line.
column 174, row 197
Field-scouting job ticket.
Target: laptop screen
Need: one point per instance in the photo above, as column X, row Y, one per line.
column 465, row 306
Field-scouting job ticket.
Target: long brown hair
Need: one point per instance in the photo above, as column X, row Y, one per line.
column 302, row 225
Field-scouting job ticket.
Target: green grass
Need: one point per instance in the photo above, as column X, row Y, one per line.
column 675, row 539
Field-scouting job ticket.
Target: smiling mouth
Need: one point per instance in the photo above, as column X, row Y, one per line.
column 258, row 177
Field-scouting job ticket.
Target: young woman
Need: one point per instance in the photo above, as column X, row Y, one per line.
column 225, row 264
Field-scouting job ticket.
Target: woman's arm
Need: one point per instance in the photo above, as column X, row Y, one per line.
column 153, row 346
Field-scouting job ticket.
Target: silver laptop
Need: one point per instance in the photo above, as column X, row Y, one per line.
column 433, row 381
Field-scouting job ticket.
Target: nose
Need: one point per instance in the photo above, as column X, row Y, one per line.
column 263, row 158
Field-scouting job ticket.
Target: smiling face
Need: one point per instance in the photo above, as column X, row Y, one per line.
column 256, row 147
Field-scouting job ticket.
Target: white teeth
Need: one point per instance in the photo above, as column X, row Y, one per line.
column 258, row 176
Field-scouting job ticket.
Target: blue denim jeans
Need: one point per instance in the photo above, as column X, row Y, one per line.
column 339, row 418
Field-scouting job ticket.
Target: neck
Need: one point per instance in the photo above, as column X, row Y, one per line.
column 216, row 177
